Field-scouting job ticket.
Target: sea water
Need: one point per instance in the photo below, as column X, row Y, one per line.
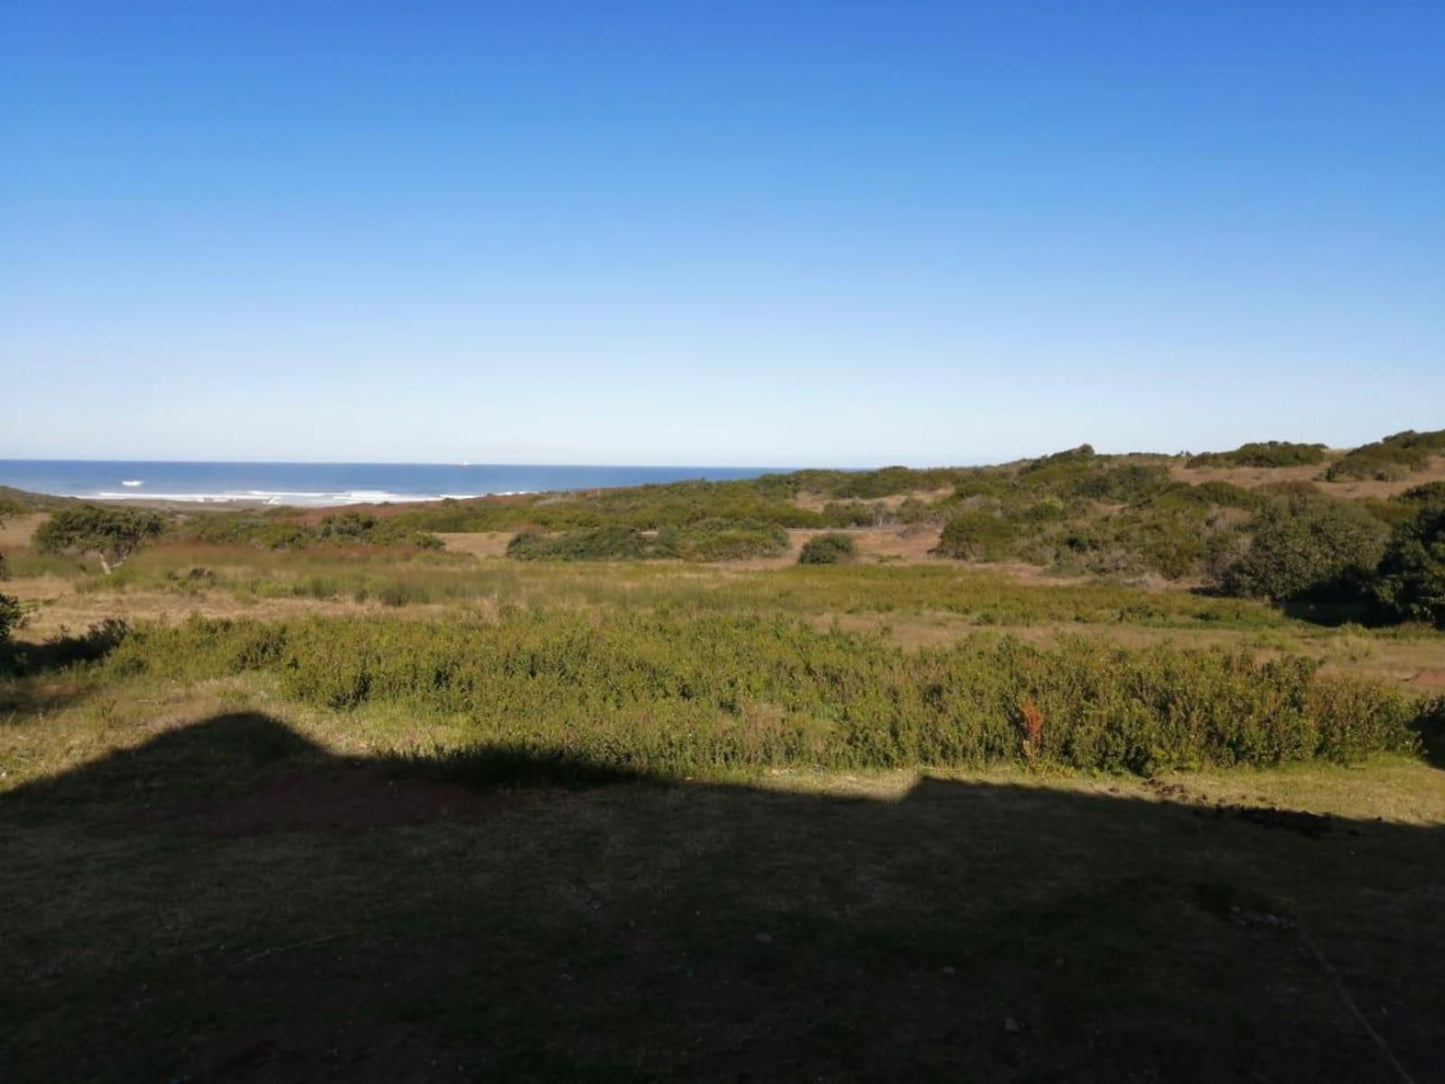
column 326, row 483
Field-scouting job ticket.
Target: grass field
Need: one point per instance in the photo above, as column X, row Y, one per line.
column 487, row 864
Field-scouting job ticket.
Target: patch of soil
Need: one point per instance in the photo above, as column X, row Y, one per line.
column 1429, row 678
column 333, row 800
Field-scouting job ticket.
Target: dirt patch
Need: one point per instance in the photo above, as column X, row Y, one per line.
column 477, row 543
column 59, row 608
column 335, row 800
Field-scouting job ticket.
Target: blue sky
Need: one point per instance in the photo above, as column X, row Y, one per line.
column 716, row 233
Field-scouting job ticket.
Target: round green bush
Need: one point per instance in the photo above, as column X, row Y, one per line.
column 833, row 548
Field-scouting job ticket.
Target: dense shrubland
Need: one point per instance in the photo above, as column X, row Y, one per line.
column 1394, row 457
column 684, row 695
column 1074, row 512
column 287, row 531
column 1269, row 453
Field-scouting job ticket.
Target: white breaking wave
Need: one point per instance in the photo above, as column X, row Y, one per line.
column 302, row 498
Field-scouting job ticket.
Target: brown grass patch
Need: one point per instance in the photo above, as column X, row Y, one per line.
column 477, row 543
column 814, row 502
column 15, row 532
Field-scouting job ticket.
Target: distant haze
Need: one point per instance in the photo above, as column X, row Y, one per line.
column 747, row 233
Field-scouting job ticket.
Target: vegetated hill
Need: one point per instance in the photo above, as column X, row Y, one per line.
column 1390, row 459
column 1073, row 512
column 1269, row 453
column 14, row 501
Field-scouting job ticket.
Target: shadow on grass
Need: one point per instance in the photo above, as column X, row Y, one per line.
column 229, row 901
column 24, row 659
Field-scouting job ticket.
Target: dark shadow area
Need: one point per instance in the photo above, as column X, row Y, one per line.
column 23, row 659
column 1431, row 728
column 229, row 902
column 1332, row 612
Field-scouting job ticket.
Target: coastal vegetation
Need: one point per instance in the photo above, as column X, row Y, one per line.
column 1391, row 458
column 1269, row 453
column 1160, row 723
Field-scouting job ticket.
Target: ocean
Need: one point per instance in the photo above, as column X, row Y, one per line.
column 320, row 484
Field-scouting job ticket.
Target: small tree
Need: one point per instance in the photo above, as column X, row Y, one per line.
column 112, row 534
column 1411, row 585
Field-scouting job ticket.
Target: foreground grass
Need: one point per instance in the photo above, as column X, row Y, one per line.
column 213, row 874
column 228, row 887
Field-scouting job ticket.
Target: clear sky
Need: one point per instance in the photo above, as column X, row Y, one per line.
column 716, row 233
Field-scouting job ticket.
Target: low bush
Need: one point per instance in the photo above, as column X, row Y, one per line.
column 286, row 531
column 977, row 536
column 833, row 548
column 721, row 540
column 591, row 544
column 675, row 695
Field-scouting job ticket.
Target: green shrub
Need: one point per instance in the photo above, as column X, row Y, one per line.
column 1305, row 549
column 10, row 617
column 1411, row 582
column 284, row 530
column 1269, row 453
column 1429, row 495
column 848, row 514
column 591, row 544
column 721, row 540
column 1389, row 459
column 977, row 536
column 833, row 548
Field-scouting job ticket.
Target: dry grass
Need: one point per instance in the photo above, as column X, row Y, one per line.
column 481, row 544
column 815, row 502
column 16, row 531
